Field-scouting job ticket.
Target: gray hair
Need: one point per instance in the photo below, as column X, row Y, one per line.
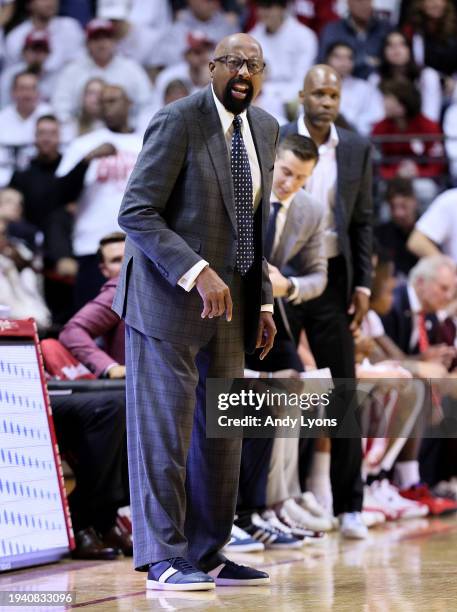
column 427, row 267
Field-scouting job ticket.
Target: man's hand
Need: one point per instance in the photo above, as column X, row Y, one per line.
column 215, row 295
column 117, row 371
column 439, row 353
column 280, row 283
column 359, row 307
column 104, row 150
column 266, row 333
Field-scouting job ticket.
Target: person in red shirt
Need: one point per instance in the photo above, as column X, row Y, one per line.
column 414, row 154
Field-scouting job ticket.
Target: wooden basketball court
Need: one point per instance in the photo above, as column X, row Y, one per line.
column 401, row 567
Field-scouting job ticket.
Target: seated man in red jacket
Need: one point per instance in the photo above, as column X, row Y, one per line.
column 95, row 334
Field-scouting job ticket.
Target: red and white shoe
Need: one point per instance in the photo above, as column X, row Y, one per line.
column 437, row 506
column 381, row 496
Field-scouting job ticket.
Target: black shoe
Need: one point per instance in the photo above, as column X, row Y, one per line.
column 116, row 538
column 232, row 574
column 89, row 546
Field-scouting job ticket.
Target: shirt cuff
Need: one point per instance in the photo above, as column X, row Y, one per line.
column 267, row 308
column 364, row 290
column 251, row 373
column 187, row 280
column 108, row 368
column 294, row 294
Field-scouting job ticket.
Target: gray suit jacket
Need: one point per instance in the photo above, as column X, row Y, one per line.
column 179, row 208
column 301, row 249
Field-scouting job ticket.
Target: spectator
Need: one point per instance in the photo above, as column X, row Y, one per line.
column 134, row 40
column 193, row 70
column 96, row 320
column 315, row 13
column 202, row 15
column 362, row 31
column 18, row 229
column 436, row 230
column 36, row 51
column 289, row 48
column 431, row 26
column 19, row 282
column 88, row 115
column 175, row 90
column 393, row 235
column 450, row 133
column 65, row 34
column 361, row 103
column 100, row 61
column 397, row 62
column 102, row 186
column 414, row 154
column 17, row 125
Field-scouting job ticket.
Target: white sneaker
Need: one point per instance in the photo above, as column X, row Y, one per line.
column 372, row 519
column 395, row 506
column 309, row 502
column 304, row 518
column 352, row 526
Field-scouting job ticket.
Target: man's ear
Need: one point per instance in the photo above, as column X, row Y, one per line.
column 301, row 95
column 211, row 66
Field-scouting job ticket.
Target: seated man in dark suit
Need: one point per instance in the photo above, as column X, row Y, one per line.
column 414, row 326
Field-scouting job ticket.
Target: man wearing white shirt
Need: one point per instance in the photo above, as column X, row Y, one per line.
column 195, row 294
column 104, row 62
column 17, row 125
column 65, row 34
column 289, row 47
column 341, row 181
column 361, row 102
column 436, row 230
column 103, row 185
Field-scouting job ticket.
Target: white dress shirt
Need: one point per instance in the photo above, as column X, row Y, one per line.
column 322, row 184
column 187, row 280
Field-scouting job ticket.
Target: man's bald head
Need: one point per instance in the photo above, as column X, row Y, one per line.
column 236, row 86
column 321, row 96
column 238, row 42
column 321, row 75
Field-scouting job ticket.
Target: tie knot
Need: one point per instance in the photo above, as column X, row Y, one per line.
column 237, row 123
column 276, row 207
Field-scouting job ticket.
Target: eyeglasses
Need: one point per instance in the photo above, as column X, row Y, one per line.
column 235, row 63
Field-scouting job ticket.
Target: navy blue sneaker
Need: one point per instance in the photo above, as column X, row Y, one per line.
column 232, row 574
column 177, row 574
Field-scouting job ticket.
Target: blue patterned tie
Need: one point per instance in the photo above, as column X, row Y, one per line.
column 271, row 230
column 242, row 188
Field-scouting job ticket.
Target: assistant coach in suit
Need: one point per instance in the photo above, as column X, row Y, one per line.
column 342, row 182
column 195, row 293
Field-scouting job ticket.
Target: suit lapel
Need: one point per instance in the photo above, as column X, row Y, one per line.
column 217, row 147
column 261, row 147
column 343, row 162
column 288, row 236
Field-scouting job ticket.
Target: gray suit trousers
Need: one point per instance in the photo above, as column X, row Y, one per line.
column 183, row 486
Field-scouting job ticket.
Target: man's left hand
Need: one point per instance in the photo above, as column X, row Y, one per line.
column 280, row 283
column 359, row 307
column 266, row 333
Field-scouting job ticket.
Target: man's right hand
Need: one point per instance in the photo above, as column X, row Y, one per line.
column 104, row 150
column 439, row 353
column 215, row 295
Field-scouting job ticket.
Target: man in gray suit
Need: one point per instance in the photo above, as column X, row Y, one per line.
column 195, row 213
column 295, row 249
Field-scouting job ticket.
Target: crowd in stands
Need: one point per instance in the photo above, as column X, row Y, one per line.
column 79, row 83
